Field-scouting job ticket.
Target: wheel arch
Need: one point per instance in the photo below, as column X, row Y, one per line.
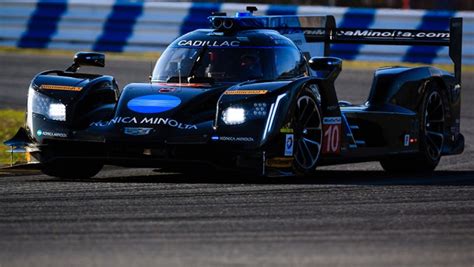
column 319, row 88
column 405, row 87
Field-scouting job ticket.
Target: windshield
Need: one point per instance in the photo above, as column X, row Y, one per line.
column 236, row 64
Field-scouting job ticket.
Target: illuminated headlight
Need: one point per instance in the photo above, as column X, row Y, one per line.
column 232, row 116
column 246, row 112
column 46, row 106
column 57, row 111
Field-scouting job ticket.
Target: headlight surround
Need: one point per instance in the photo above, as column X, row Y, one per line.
column 49, row 107
column 235, row 115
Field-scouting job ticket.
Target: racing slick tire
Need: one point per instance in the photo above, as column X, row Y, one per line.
column 431, row 137
column 307, row 129
column 71, row 169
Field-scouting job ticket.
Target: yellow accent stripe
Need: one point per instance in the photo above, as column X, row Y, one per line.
column 246, row 92
column 279, row 162
column 60, row 87
column 286, row 130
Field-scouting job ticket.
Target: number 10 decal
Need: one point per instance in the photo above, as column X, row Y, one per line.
column 331, row 135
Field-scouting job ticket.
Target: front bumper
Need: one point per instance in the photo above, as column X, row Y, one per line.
column 153, row 156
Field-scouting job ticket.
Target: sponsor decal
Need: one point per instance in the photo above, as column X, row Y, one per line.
column 406, row 141
column 279, row 162
column 380, row 33
column 289, row 143
column 153, row 103
column 314, row 34
column 60, row 87
column 40, row 132
column 137, row 130
column 147, row 121
column 234, row 139
column 286, row 130
column 392, row 33
column 332, row 120
column 209, row 43
column 246, row 92
column 331, row 135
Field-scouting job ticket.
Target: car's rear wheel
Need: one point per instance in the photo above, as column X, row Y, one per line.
column 432, row 128
column 307, row 127
column 68, row 169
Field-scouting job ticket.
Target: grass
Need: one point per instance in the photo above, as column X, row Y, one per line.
column 10, row 121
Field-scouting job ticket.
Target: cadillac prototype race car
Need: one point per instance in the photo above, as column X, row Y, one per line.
column 251, row 93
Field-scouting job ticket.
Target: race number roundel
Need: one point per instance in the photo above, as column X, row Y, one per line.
column 153, row 103
column 331, row 135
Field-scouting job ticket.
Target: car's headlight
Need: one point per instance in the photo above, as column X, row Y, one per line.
column 57, row 111
column 232, row 116
column 49, row 107
column 241, row 114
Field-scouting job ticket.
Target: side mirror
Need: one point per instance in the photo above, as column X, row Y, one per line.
column 87, row 59
column 329, row 67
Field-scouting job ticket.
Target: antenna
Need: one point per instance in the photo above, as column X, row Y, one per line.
column 251, row 9
column 179, row 72
column 151, row 71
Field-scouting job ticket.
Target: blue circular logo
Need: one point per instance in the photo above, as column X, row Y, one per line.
column 39, row 132
column 153, row 103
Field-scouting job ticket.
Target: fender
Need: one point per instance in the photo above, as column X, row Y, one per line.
column 280, row 98
column 404, row 86
column 83, row 94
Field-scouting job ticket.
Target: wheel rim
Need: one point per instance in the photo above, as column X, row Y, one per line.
column 434, row 125
column 308, row 132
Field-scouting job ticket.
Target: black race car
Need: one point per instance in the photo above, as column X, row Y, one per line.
column 252, row 93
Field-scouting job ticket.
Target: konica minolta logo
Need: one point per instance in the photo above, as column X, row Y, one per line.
column 374, row 33
column 145, row 121
column 391, row 33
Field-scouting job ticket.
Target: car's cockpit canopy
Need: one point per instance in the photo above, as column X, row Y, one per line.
column 212, row 57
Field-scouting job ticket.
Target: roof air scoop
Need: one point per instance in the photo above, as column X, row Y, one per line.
column 217, row 23
column 228, row 24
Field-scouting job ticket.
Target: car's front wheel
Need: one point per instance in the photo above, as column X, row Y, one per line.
column 69, row 169
column 307, row 126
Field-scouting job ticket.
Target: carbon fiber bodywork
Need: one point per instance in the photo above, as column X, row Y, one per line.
column 177, row 124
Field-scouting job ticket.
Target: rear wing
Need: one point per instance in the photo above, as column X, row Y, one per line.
column 451, row 38
column 307, row 29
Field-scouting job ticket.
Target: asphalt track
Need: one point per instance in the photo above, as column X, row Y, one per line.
column 350, row 215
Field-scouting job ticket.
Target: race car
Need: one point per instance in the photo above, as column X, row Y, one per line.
column 251, row 93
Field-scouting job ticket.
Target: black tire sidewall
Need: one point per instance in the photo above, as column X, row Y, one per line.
column 431, row 87
column 297, row 169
